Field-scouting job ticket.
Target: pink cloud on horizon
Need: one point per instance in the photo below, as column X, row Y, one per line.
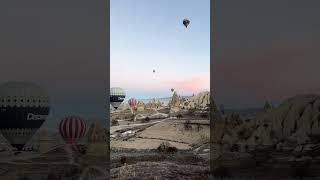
column 183, row 85
column 192, row 84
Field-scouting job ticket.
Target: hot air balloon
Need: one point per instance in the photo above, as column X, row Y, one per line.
column 132, row 102
column 24, row 107
column 154, row 75
column 117, row 96
column 186, row 22
column 72, row 128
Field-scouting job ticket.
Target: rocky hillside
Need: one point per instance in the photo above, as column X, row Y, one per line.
column 199, row 101
column 286, row 135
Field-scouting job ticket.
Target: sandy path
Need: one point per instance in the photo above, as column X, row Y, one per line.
column 113, row 129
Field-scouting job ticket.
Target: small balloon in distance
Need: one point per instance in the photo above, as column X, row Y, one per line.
column 186, row 22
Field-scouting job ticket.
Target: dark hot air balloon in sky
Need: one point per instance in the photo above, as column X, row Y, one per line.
column 117, row 96
column 72, row 128
column 186, row 22
column 24, row 107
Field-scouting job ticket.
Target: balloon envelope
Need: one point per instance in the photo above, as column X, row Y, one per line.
column 72, row 128
column 186, row 22
column 117, row 96
column 132, row 102
column 24, row 107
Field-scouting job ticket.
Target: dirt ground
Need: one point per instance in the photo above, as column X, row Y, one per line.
column 134, row 153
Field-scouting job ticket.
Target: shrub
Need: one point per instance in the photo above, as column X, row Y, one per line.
column 145, row 120
column 166, row 148
column 123, row 160
column 191, row 112
column 244, row 133
column 114, row 122
column 199, row 127
column 179, row 116
column 204, row 115
column 187, row 125
column 132, row 117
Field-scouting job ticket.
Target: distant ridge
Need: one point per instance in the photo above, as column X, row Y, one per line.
column 165, row 100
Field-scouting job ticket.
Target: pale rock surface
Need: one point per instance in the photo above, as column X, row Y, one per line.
column 159, row 116
column 200, row 101
column 175, row 103
column 153, row 104
column 151, row 116
column 297, row 119
column 140, row 117
column 140, row 106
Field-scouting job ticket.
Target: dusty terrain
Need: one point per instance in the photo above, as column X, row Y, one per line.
column 156, row 142
column 161, row 142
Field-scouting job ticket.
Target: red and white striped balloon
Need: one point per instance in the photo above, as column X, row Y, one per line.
column 72, row 128
column 132, row 102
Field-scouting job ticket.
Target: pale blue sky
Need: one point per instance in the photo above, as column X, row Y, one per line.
column 148, row 34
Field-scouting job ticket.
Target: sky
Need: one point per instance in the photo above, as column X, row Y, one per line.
column 147, row 35
column 266, row 50
column 61, row 46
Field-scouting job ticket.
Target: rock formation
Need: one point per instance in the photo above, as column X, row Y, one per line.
column 285, row 136
column 140, row 106
column 175, row 103
column 199, row 101
column 97, row 133
column 153, row 104
column 98, row 139
column 42, row 141
column 296, row 121
column 151, row 116
column 45, row 142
